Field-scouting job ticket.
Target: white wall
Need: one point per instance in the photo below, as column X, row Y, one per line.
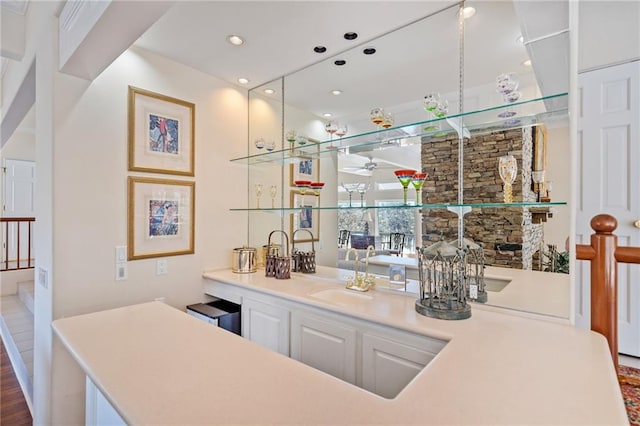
column 556, row 229
column 609, row 33
column 90, row 188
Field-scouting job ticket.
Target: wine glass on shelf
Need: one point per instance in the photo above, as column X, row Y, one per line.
column 290, row 136
column 259, row 143
column 349, row 188
column 387, row 121
column 316, row 187
column 507, row 86
column 270, row 146
column 342, row 130
column 362, row 189
column 273, row 191
column 377, row 116
column 258, row 188
column 417, row 180
column 405, row 176
column 303, row 186
column 331, row 127
column 508, row 169
column 431, row 102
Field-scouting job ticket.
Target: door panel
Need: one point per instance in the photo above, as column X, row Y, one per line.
column 608, row 155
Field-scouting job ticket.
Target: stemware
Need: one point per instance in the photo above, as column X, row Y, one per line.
column 404, row 176
column 316, row 187
column 507, row 85
column 302, row 140
column 258, row 188
column 349, row 187
column 331, row 127
column 508, row 169
column 362, row 189
column 270, row 146
column 259, row 143
column 273, row 191
column 417, row 180
column 538, row 179
column 431, row 102
column 387, row 121
column 290, row 136
column 377, row 116
column 342, row 130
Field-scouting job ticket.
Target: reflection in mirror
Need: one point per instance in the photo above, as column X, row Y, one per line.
column 357, row 164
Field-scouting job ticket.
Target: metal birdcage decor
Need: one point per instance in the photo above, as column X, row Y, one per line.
column 303, row 261
column 476, row 287
column 276, row 265
column 443, row 292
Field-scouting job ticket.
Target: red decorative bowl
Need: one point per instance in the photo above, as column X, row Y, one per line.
column 302, row 182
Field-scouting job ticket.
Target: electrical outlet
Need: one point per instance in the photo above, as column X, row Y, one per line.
column 121, row 271
column 161, row 267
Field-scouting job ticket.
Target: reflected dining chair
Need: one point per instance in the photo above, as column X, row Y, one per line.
column 396, row 243
column 343, row 238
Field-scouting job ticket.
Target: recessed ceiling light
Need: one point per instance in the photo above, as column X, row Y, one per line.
column 340, row 62
column 527, row 63
column 236, row 40
column 336, row 92
column 468, row 12
column 243, row 80
column 350, row 36
column 327, row 114
column 520, row 39
column 269, row 91
column 369, row 50
column 319, row 49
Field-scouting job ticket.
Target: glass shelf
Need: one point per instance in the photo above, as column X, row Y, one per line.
column 528, row 113
column 409, row 206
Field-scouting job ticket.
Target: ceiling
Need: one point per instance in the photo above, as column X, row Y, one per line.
column 422, row 57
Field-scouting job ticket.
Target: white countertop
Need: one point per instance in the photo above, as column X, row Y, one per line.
column 157, row 365
column 537, row 292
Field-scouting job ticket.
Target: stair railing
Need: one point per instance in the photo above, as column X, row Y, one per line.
column 604, row 255
column 16, row 233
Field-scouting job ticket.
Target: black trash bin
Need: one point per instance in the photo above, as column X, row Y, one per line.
column 221, row 313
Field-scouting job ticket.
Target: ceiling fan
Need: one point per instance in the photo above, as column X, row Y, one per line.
column 365, row 170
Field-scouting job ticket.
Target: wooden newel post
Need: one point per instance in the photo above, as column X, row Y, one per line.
column 604, row 282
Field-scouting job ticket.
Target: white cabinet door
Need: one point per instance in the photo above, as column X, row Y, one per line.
column 388, row 366
column 609, row 182
column 266, row 325
column 326, row 345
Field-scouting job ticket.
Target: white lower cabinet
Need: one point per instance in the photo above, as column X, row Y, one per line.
column 266, row 325
column 389, row 364
column 324, row 344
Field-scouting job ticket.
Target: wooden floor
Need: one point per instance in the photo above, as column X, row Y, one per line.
column 13, row 408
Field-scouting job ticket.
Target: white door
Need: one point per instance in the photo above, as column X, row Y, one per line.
column 18, row 201
column 609, row 182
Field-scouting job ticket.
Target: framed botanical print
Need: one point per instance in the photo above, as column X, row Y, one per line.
column 306, row 217
column 160, row 218
column 161, row 133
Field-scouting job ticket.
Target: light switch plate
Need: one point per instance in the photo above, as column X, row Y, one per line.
column 473, row 291
column 121, row 254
